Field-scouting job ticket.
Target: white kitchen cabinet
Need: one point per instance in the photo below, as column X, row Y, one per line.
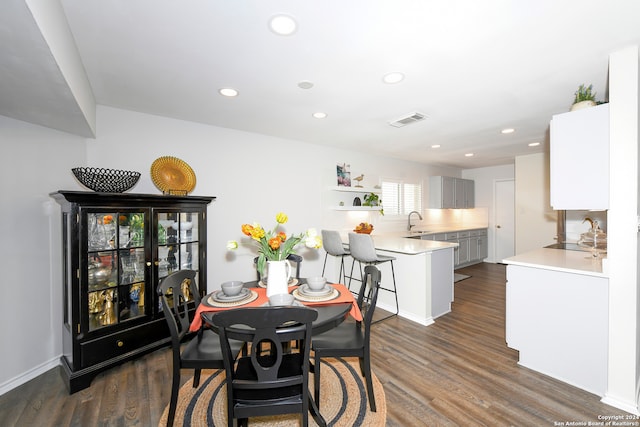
column 579, row 160
column 447, row 192
column 558, row 321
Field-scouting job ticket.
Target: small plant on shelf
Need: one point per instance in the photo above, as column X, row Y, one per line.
column 584, row 93
column 372, row 199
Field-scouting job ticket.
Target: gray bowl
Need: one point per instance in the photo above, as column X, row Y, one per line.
column 232, row 288
column 316, row 283
column 279, row 300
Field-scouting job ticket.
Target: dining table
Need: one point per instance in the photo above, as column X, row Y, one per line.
column 332, row 311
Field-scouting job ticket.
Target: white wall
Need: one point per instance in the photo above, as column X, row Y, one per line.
column 253, row 177
column 37, row 161
column 536, row 221
column 485, row 179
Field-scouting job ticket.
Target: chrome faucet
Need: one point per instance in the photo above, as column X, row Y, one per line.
column 409, row 225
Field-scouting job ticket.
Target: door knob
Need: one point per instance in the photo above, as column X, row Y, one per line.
column 497, row 226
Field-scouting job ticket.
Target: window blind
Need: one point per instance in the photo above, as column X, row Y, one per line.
column 400, row 198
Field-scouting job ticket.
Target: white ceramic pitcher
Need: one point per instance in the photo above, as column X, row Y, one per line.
column 278, row 274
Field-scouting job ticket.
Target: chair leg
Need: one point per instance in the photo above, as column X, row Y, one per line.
column 369, row 381
column 196, row 378
column 325, row 263
column 175, row 387
column 342, row 273
column 351, row 274
column 316, row 380
column 395, row 293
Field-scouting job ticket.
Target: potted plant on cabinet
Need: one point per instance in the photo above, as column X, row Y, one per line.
column 584, row 97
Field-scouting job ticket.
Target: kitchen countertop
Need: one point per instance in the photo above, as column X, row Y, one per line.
column 568, row 261
column 400, row 244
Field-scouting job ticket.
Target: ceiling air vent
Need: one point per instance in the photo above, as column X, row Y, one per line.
column 411, row 118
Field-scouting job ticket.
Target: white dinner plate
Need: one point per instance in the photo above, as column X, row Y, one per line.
column 307, row 291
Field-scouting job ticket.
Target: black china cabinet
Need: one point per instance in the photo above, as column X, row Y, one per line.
column 115, row 250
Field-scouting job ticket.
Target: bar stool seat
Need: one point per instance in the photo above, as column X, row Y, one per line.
column 332, row 244
column 363, row 250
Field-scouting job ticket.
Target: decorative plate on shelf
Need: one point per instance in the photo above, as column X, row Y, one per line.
column 173, row 176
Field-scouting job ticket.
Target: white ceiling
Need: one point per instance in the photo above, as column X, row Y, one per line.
column 472, row 67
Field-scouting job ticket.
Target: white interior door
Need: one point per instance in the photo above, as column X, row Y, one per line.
column 504, row 224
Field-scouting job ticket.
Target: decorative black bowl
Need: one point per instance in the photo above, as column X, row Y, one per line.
column 106, row 180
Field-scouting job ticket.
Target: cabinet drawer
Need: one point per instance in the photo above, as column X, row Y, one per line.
column 463, row 234
column 451, row 236
column 440, row 237
column 117, row 344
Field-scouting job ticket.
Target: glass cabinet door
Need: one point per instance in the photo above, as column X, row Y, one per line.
column 178, row 246
column 115, row 267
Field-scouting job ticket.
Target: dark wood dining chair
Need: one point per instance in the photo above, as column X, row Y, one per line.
column 202, row 350
column 295, row 258
column 271, row 384
column 350, row 339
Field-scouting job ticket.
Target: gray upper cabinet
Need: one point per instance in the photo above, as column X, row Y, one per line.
column 446, row 192
column 580, row 159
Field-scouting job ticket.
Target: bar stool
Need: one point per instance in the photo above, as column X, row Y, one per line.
column 363, row 250
column 332, row 244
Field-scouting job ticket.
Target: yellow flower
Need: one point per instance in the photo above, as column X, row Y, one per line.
column 281, row 218
column 232, row 245
column 257, row 233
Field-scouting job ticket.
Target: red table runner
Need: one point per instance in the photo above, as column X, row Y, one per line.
column 345, row 296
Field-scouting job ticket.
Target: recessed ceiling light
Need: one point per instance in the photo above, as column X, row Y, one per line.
column 508, row 130
column 469, row 155
column 283, row 25
column 394, row 77
column 435, row 146
column 534, row 144
column 320, row 115
column 305, row 84
column 227, row 91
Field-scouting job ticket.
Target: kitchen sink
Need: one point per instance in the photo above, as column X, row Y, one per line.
column 420, row 232
column 568, row 247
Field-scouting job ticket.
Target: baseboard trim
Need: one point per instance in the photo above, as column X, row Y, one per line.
column 27, row 376
column 617, row 403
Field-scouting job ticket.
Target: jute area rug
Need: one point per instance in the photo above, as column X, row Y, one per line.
column 343, row 400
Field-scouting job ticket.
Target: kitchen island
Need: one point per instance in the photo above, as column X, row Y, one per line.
column 424, row 276
column 557, row 315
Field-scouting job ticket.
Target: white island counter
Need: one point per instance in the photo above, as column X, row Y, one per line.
column 424, row 276
column 557, row 315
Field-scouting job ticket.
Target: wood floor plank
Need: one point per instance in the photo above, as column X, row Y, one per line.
column 456, row 372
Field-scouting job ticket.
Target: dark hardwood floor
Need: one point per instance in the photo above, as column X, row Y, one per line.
column 456, row 372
